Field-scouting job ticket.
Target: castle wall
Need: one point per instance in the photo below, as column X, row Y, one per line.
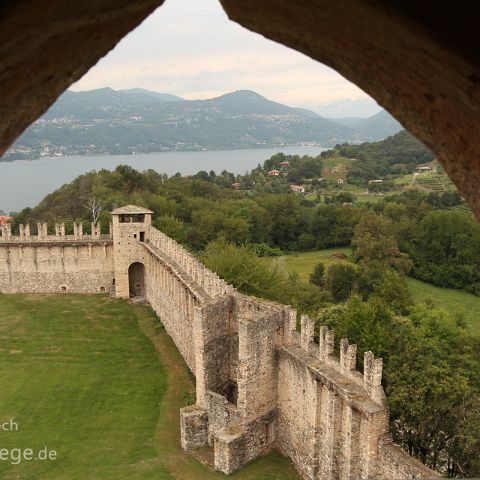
column 331, row 419
column 176, row 282
column 173, row 302
column 395, row 463
column 298, row 398
column 216, row 349
column 56, row 267
column 234, row 448
column 257, row 368
column 260, row 383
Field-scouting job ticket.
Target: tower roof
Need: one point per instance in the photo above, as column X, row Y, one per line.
column 130, row 209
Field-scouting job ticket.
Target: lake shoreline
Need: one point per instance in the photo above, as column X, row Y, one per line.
column 239, row 149
column 26, row 182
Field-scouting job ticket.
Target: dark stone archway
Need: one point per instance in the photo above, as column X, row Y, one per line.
column 419, row 60
column 137, row 280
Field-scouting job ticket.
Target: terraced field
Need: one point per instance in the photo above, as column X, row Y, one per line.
column 463, row 209
column 336, row 168
column 435, row 182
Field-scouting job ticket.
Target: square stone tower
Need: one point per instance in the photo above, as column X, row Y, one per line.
column 130, row 228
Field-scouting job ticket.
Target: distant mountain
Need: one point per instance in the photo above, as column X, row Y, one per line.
column 128, row 121
column 164, row 97
column 361, row 107
column 137, row 120
column 377, row 127
column 350, row 122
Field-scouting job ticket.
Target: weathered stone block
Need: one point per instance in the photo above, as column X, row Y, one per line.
column 193, row 427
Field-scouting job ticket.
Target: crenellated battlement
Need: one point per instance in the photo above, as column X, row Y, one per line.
column 42, row 235
column 346, row 362
column 55, row 262
column 209, row 281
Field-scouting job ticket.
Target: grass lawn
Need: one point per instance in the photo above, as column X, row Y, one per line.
column 354, row 189
column 100, row 382
column 369, row 198
column 454, row 301
column 403, row 180
column 336, row 167
column 304, row 262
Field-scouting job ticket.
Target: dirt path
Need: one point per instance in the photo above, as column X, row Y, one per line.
column 180, row 382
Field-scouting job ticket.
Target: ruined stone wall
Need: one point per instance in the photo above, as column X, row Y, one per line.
column 173, row 297
column 55, row 263
column 332, row 420
column 298, row 396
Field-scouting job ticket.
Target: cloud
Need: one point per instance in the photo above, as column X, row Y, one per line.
column 190, row 48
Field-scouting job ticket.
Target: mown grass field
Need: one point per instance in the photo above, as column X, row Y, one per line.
column 454, row 301
column 100, row 382
column 304, row 262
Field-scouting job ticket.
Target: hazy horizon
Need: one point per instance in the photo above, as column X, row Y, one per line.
column 334, row 110
column 191, row 49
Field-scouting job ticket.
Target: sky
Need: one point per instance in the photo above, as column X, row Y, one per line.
column 190, row 48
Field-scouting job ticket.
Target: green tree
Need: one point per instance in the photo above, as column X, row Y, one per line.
column 241, row 267
column 172, row 226
column 374, row 241
column 317, row 275
column 378, row 280
column 430, row 376
column 340, row 280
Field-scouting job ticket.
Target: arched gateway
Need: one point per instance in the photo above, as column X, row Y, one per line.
column 136, row 279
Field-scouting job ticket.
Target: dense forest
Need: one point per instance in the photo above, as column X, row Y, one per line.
column 239, row 225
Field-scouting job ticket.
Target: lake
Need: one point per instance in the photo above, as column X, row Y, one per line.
column 25, row 183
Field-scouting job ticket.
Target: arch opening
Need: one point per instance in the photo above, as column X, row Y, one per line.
column 136, row 280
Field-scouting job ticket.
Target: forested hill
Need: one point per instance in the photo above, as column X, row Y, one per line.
column 398, row 154
column 136, row 120
column 377, row 127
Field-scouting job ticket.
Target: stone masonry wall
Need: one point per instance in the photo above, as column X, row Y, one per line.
column 331, row 419
column 173, row 297
column 297, row 400
column 55, row 263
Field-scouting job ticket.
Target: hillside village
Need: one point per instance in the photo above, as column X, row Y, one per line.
column 333, row 177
